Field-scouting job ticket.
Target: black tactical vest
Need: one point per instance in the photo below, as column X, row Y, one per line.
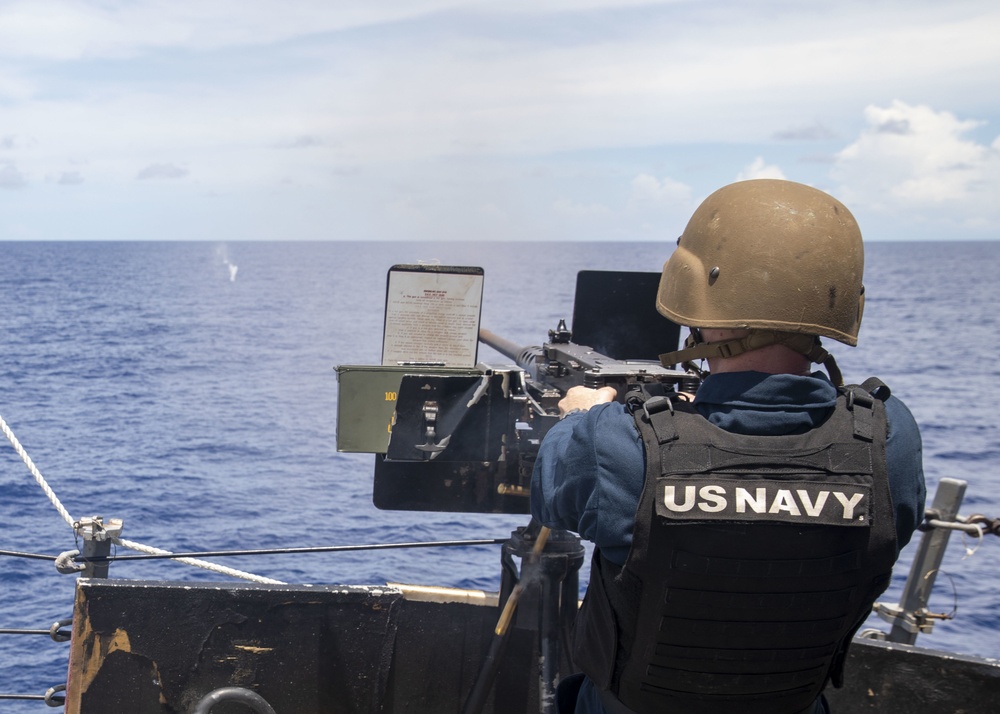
column 754, row 561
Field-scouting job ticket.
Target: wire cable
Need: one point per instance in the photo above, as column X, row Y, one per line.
column 288, row 551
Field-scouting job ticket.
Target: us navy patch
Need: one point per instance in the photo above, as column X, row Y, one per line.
column 686, row 498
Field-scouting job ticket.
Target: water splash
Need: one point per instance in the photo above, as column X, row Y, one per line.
column 222, row 252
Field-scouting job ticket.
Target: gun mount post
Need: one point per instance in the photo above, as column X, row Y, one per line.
column 545, row 592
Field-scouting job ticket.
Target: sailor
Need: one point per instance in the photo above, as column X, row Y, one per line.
column 741, row 538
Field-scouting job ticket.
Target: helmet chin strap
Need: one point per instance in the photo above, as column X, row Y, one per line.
column 807, row 345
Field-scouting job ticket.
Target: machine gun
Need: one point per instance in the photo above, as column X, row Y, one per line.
column 465, row 437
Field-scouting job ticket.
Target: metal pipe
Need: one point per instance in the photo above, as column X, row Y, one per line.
column 549, row 645
column 500, row 344
column 910, row 618
column 524, row 357
column 970, row 528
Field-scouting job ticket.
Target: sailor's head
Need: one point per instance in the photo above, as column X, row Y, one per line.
column 772, row 257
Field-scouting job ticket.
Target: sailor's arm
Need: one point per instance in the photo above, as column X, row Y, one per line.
column 904, row 457
column 589, row 473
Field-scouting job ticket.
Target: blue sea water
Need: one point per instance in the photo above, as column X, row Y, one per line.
column 189, row 389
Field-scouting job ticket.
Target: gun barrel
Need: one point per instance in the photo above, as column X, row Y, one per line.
column 500, row 344
column 524, row 357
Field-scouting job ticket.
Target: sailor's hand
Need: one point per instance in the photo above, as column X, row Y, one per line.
column 583, row 398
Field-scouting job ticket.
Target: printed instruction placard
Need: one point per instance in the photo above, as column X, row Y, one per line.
column 432, row 315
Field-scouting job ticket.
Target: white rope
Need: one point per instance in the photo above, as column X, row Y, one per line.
column 124, row 543
column 35, row 472
column 198, row 563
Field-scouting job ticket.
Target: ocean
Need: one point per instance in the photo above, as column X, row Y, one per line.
column 190, row 390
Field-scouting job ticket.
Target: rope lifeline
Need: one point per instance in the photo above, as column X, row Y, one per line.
column 35, row 472
column 160, row 553
column 71, row 522
column 131, row 545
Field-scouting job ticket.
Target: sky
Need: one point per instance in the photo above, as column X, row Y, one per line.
column 517, row 120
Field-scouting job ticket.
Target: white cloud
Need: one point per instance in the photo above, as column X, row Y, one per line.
column 11, row 177
column 589, row 89
column 917, row 159
column 568, row 208
column 70, row 178
column 73, row 29
column 301, row 142
column 494, row 214
column 14, row 142
column 14, row 86
column 649, row 192
column 758, row 169
column 678, row 76
column 656, row 207
column 806, row 132
column 408, row 210
column 162, row 171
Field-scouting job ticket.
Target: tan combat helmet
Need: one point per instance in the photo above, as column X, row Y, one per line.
column 779, row 258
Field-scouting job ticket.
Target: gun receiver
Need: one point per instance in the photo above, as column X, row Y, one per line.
column 562, row 364
column 465, row 439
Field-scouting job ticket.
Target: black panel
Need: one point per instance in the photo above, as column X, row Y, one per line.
column 449, row 486
column 615, row 314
